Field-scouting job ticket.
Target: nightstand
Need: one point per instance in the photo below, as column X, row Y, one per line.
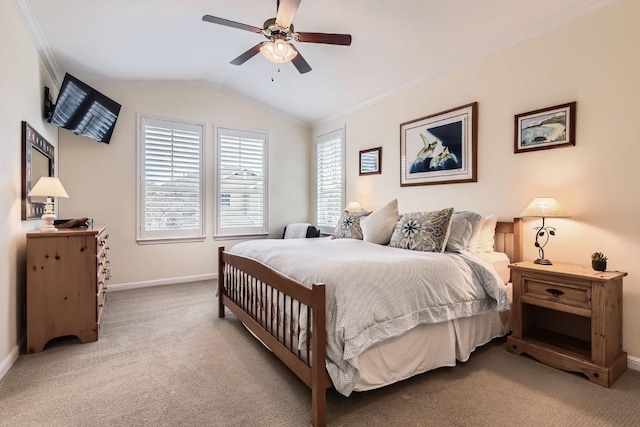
column 569, row 317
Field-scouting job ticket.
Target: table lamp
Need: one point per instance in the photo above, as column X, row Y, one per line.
column 48, row 186
column 544, row 207
column 353, row 207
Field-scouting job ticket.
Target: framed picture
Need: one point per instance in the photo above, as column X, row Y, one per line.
column 371, row 161
column 551, row 127
column 440, row 148
column 37, row 161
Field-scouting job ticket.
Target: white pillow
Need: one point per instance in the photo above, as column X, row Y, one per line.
column 475, row 234
column 487, row 234
column 378, row 226
column 461, row 230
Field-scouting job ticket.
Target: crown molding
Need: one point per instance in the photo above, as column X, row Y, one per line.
column 539, row 28
column 34, row 30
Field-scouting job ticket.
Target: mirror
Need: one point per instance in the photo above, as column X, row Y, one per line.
column 371, row 161
column 37, row 161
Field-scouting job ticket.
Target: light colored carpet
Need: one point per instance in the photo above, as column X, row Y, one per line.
column 165, row 359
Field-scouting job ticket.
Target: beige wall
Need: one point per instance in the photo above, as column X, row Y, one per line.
column 101, row 179
column 22, row 81
column 593, row 61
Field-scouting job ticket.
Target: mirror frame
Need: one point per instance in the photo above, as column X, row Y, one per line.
column 377, row 151
column 32, row 140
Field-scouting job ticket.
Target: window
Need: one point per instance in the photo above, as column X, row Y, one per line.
column 241, row 190
column 329, row 179
column 171, row 183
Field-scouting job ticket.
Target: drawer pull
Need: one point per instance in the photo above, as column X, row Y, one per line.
column 555, row 292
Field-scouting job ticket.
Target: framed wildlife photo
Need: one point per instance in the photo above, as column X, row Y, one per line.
column 440, row 148
column 552, row 127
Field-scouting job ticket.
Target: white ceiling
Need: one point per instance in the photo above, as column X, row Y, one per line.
column 395, row 43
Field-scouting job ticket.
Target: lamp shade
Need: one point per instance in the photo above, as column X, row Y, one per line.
column 353, row 207
column 48, row 186
column 544, row 207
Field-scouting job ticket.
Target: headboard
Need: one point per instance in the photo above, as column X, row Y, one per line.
column 508, row 239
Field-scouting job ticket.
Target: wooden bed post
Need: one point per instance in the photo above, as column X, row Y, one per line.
column 318, row 369
column 220, row 281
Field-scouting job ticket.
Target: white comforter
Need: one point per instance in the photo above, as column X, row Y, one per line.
column 376, row 292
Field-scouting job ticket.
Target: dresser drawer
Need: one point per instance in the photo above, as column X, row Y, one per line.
column 571, row 294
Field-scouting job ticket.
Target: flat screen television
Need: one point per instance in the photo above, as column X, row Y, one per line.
column 83, row 110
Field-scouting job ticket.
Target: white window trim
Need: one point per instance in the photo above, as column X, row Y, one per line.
column 155, row 237
column 239, row 233
column 342, row 130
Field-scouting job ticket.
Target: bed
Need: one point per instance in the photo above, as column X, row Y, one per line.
column 287, row 311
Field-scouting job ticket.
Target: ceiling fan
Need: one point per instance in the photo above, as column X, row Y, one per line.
column 279, row 33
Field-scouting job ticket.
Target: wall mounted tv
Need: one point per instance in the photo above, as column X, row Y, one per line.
column 83, row 110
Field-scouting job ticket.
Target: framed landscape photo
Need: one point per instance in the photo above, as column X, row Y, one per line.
column 552, row 127
column 371, row 161
column 440, row 148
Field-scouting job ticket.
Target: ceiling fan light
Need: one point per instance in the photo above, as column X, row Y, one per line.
column 280, row 48
column 268, row 50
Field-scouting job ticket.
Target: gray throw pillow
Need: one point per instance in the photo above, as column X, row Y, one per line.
column 463, row 225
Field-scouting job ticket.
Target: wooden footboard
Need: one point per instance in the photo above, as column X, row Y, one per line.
column 267, row 303
column 249, row 289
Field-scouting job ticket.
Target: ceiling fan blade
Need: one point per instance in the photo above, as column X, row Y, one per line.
column 300, row 63
column 233, row 24
column 326, row 38
column 247, row 55
column 286, row 11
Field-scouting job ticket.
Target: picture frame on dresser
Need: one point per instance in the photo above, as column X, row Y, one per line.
column 440, row 148
column 37, row 161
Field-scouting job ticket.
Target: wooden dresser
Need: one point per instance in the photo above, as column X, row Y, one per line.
column 569, row 317
column 66, row 284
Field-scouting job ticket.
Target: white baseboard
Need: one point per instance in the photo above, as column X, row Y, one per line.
column 8, row 362
column 161, row 282
column 633, row 363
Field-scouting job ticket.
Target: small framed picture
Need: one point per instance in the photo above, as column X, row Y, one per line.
column 371, row 161
column 552, row 127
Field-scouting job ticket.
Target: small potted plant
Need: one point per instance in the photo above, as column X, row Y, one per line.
column 598, row 261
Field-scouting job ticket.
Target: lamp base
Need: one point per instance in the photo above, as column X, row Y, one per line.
column 48, row 217
column 543, row 261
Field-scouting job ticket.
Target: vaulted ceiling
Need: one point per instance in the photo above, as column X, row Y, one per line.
column 395, row 43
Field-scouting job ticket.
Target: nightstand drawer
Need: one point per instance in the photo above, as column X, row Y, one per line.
column 573, row 295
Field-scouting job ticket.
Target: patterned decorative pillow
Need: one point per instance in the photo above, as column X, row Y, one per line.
column 422, row 231
column 463, row 225
column 378, row 227
column 348, row 226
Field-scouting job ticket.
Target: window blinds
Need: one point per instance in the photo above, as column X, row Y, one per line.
column 171, row 179
column 329, row 179
column 242, row 184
